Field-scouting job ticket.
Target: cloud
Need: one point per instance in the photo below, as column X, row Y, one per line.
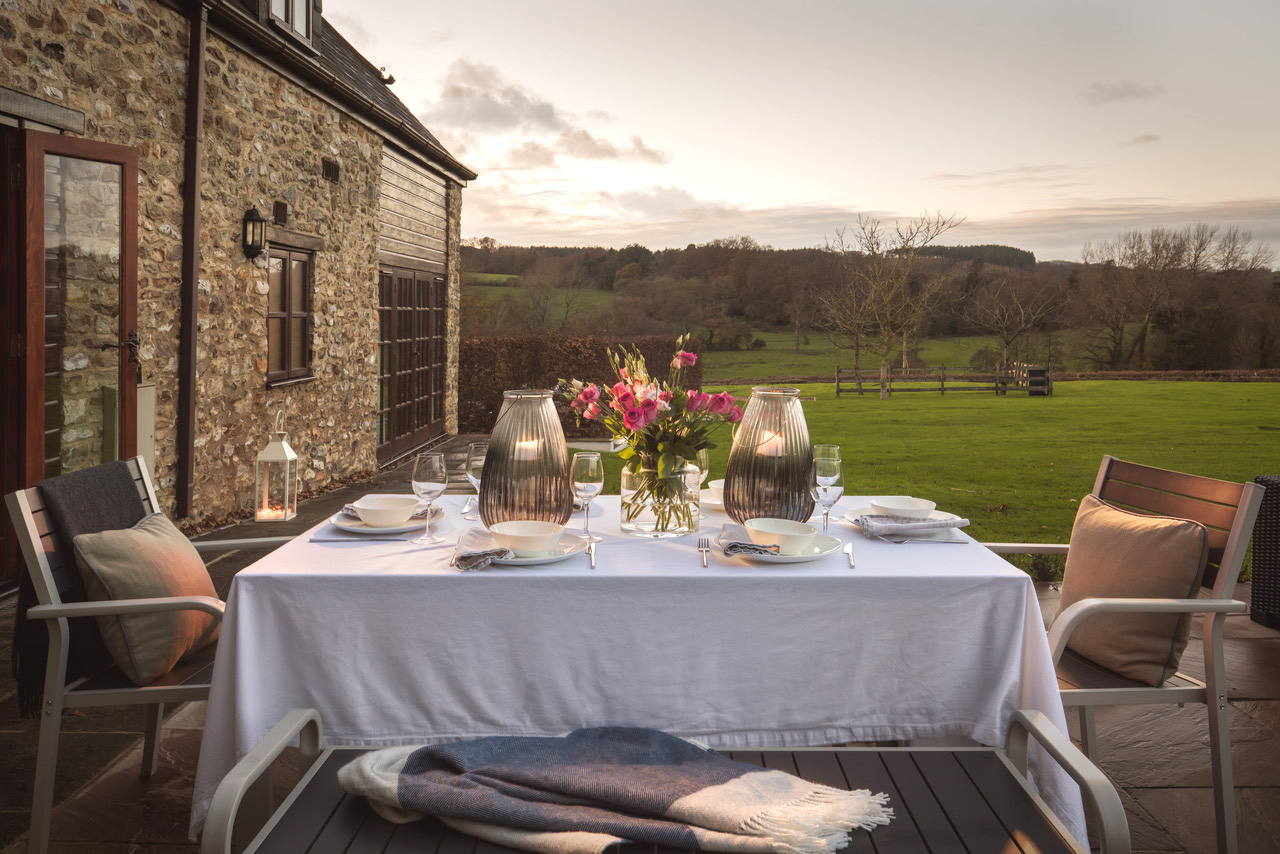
column 530, row 155
column 475, row 96
column 1097, row 94
column 585, row 145
column 1046, row 175
column 1143, row 139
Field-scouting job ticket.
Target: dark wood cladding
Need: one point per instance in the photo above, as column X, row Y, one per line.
column 412, row 214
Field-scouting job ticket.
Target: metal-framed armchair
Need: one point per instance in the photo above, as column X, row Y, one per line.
column 52, row 574
column 1227, row 510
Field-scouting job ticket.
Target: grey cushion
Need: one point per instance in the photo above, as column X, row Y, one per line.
column 1118, row 554
column 151, row 559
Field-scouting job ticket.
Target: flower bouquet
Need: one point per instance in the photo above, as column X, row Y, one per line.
column 664, row 427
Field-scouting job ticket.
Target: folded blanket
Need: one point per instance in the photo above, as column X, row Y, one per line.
column 477, row 549
column 735, row 540
column 874, row 525
column 597, row 787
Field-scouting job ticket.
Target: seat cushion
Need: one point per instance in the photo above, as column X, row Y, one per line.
column 151, row 559
column 1118, row 554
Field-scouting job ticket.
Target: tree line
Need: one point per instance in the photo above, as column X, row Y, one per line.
column 1202, row 297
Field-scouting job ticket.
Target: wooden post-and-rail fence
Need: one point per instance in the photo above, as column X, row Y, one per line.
column 1035, row 380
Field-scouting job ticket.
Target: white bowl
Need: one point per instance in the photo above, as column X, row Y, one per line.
column 790, row 537
column 716, row 488
column 386, row 511
column 903, row 505
column 527, row 537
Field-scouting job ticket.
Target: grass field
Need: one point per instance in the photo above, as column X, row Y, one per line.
column 1016, row 466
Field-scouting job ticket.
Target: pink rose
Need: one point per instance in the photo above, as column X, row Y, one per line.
column 695, row 400
column 720, row 404
column 619, row 388
column 589, row 394
column 626, row 399
column 650, row 409
column 664, row 396
column 633, row 418
column 592, row 410
column 735, row 415
column 683, row 360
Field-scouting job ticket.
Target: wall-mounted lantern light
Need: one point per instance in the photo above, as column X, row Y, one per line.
column 255, row 233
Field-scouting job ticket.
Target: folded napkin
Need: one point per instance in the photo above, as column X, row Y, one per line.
column 477, row 549
column 735, row 541
column 598, row 787
column 877, row 525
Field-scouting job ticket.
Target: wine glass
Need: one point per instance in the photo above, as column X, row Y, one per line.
column 703, row 461
column 587, row 476
column 828, row 479
column 429, row 480
column 476, row 453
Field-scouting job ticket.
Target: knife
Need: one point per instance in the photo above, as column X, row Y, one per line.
column 848, row 549
column 360, row 540
column 591, row 554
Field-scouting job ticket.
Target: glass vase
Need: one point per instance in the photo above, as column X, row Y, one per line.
column 770, row 469
column 526, row 471
column 656, row 506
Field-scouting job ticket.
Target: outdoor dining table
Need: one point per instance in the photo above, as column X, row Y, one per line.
column 395, row 646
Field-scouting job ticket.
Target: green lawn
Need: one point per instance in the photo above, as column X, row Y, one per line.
column 820, row 357
column 1015, row 466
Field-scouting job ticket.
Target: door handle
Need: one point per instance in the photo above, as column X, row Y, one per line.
column 132, row 342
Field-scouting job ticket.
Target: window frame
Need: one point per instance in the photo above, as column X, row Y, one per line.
column 287, row 22
column 303, row 371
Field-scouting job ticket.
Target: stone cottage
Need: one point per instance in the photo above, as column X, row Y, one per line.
column 215, row 211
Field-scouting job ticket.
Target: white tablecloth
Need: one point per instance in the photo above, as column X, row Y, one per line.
column 395, row 647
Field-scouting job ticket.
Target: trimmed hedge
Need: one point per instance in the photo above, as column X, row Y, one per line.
column 489, row 366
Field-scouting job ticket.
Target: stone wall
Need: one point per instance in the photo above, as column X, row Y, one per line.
column 453, row 282
column 264, row 141
column 123, row 64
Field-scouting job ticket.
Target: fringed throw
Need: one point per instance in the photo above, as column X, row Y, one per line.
column 599, row 787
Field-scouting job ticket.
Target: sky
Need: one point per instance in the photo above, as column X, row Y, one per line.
column 1045, row 124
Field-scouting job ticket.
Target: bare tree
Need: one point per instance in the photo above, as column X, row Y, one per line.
column 886, row 291
column 1010, row 304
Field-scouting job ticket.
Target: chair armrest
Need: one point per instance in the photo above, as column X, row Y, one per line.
column 208, row 604
column 1113, row 827
column 230, row 545
column 1027, row 548
column 1068, row 620
column 220, row 822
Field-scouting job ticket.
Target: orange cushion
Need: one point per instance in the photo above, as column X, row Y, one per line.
column 1115, row 553
column 151, row 559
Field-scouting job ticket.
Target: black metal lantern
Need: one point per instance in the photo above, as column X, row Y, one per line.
column 255, row 233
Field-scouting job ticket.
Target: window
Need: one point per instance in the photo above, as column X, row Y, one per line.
column 288, row 314
column 295, row 15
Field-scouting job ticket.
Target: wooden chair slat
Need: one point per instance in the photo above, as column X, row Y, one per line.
column 930, row 819
column 350, row 819
column 418, row 837
column 300, row 827
column 1192, row 485
column 1016, row 809
column 822, row 766
column 779, row 760
column 194, row 671
column 1076, row 671
column 969, row 813
column 1155, row 503
column 866, row 770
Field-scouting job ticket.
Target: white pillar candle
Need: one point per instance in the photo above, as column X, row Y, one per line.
column 527, row 450
column 771, row 445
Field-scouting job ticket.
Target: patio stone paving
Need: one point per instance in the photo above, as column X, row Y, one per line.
column 1158, row 755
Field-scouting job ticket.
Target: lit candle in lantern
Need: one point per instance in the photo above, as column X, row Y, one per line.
column 771, row 445
column 527, row 450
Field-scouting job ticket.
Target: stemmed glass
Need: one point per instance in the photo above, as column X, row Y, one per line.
column 587, row 476
column 828, row 479
column 703, row 462
column 429, row 480
column 476, row 453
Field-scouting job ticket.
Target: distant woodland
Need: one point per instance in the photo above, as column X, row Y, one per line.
column 1200, row 298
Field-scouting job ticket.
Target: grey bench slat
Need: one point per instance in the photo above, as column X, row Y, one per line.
column 962, row 801
column 1016, row 809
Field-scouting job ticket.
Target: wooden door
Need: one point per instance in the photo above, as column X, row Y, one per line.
column 70, row 278
column 411, row 353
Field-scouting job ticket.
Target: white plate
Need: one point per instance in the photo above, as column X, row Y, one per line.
column 704, row 497
column 936, row 516
column 567, row 546
column 355, row 525
column 821, row 546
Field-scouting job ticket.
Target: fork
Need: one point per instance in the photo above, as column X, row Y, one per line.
column 704, row 546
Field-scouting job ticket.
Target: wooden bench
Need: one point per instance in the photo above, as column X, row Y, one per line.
column 944, row 799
